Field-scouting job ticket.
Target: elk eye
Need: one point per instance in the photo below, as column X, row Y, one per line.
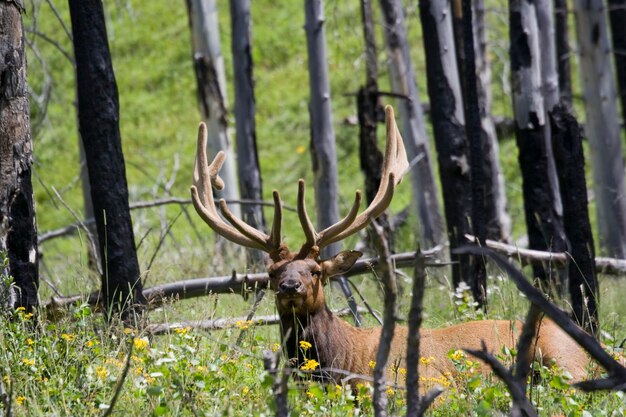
column 316, row 273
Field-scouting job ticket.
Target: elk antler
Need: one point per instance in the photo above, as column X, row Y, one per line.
column 394, row 167
column 205, row 178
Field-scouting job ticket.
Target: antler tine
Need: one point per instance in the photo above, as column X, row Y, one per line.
column 309, row 231
column 394, row 167
column 276, row 233
column 205, row 178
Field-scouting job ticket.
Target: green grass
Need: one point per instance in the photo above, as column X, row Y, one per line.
column 200, row 372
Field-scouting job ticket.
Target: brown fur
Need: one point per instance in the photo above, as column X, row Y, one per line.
column 336, row 344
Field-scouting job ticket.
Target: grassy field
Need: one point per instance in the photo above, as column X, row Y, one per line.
column 71, row 366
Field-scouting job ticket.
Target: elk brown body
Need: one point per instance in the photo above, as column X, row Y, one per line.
column 298, row 278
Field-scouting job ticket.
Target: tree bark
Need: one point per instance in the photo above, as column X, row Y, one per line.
column 448, row 120
column 248, row 169
column 617, row 16
column 478, row 280
column 412, row 127
column 496, row 214
column 561, row 33
column 370, row 112
column 570, row 163
column 98, row 115
column 211, row 79
column 322, row 133
column 18, row 229
column 602, row 125
column 544, row 229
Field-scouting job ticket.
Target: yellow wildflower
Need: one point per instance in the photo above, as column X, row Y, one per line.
column 275, row 347
column 390, row 391
column 372, row 364
column 28, row 362
column 243, row 324
column 138, row 370
column 22, row 309
column 300, row 149
column 68, row 337
column 304, row 345
column 30, row 342
column 427, row 361
column 91, row 343
column 310, row 365
column 128, row 330
column 20, row 399
column 245, row 390
column 140, row 343
column 402, row 371
column 182, row 330
column 27, row 316
column 101, row 372
column 457, row 355
column 310, row 394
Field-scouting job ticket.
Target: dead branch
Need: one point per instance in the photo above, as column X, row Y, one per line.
column 413, row 342
column 608, row 266
column 387, row 276
column 120, row 380
column 279, row 385
column 231, row 284
column 227, row 323
column 521, row 405
column 616, row 372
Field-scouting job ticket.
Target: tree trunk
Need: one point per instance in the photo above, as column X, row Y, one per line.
column 561, row 33
column 478, row 281
column 98, row 115
column 448, row 120
column 370, row 112
column 18, row 229
column 248, row 170
column 617, row 15
column 211, row 79
column 544, row 229
column 602, row 125
column 570, row 163
column 498, row 220
column 425, row 195
column 322, row 132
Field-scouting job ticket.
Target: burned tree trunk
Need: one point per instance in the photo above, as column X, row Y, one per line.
column 370, row 112
column 561, row 34
column 322, row 132
column 248, row 170
column 478, row 282
column 498, row 220
column 448, row 121
column 602, row 125
column 412, row 124
column 98, row 115
column 211, row 79
column 570, row 164
column 617, row 16
column 18, row 230
column 544, row 228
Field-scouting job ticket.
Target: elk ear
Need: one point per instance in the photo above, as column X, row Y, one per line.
column 340, row 263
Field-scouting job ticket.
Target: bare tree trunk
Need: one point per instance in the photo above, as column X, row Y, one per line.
column 98, row 114
column 544, row 228
column 412, row 125
column 209, row 67
column 370, row 112
column 602, row 124
column 448, row 120
column 561, row 33
column 478, row 281
column 570, row 163
column 498, row 219
column 18, row 229
column 248, row 169
column 322, row 132
column 617, row 15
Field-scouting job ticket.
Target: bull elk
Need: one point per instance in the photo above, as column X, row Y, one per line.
column 298, row 278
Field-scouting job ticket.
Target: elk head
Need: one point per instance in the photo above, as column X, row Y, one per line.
column 297, row 277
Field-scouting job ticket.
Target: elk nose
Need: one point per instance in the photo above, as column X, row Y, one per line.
column 289, row 286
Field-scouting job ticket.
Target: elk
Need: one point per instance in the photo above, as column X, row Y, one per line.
column 298, row 278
